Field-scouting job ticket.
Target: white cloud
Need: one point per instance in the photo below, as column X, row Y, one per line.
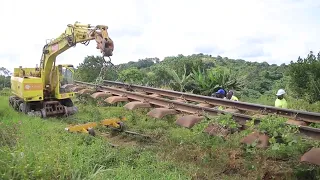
column 271, row 30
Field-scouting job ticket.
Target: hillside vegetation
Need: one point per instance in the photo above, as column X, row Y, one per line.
column 203, row 74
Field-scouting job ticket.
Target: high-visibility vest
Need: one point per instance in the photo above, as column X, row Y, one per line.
column 234, row 98
column 281, row 103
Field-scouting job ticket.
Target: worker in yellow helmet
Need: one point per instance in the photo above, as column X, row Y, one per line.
column 281, row 101
column 231, row 96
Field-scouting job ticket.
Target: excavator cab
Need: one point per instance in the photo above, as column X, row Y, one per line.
column 66, row 74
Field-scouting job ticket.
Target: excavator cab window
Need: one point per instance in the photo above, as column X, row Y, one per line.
column 66, row 77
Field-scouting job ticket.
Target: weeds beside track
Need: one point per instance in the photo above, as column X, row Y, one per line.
column 33, row 148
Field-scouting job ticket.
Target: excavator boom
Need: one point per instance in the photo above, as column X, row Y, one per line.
column 74, row 34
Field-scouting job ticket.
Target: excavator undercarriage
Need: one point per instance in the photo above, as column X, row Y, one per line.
column 44, row 108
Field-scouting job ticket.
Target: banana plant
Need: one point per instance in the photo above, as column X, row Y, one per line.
column 208, row 81
column 178, row 83
column 225, row 79
column 204, row 82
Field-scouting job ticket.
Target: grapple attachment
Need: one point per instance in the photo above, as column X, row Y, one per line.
column 104, row 42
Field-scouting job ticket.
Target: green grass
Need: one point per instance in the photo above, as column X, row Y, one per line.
column 34, row 148
column 293, row 103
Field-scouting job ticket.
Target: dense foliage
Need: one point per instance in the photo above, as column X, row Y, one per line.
column 199, row 73
column 204, row 74
column 4, row 77
column 305, row 77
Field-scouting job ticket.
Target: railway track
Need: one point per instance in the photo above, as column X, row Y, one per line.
column 165, row 102
column 309, row 117
column 146, row 97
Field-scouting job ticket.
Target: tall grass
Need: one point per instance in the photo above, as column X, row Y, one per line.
column 34, row 148
column 293, row 103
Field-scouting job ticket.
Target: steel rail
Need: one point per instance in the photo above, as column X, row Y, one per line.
column 191, row 108
column 312, row 117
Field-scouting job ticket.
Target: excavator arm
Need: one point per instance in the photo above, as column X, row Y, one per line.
column 74, row 34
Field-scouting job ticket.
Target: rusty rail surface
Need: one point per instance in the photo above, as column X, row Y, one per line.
column 312, row 117
column 191, row 108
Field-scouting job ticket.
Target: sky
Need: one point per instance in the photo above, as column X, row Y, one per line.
column 275, row 31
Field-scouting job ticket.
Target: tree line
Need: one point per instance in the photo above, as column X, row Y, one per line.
column 204, row 74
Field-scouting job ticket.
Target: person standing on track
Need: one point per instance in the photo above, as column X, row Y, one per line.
column 231, row 96
column 281, row 101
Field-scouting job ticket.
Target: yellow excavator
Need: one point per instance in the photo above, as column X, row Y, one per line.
column 41, row 91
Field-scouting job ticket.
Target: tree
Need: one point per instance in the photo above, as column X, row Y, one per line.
column 132, row 75
column 141, row 63
column 180, row 62
column 89, row 70
column 5, row 77
column 305, row 77
column 159, row 77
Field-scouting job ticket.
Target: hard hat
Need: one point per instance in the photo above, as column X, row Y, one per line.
column 280, row 92
column 221, row 91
